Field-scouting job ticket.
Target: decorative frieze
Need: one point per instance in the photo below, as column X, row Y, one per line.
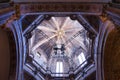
column 60, row 7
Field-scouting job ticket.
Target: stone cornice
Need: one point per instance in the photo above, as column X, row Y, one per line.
column 59, row 7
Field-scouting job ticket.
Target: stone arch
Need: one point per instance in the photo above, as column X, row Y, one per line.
column 105, row 30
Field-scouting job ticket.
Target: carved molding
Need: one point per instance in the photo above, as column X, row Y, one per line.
column 19, row 1
column 6, row 10
column 57, row 7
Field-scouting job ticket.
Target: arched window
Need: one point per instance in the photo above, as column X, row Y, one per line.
column 59, row 68
column 82, row 59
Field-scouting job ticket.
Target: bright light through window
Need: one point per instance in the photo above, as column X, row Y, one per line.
column 81, row 59
column 59, row 68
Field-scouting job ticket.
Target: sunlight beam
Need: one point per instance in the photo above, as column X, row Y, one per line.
column 64, row 24
column 44, row 28
column 73, row 29
column 56, row 23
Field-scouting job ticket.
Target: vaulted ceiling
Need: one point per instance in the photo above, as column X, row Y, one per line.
column 55, row 33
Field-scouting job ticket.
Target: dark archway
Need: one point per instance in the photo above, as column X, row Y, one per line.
column 7, row 55
column 112, row 56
